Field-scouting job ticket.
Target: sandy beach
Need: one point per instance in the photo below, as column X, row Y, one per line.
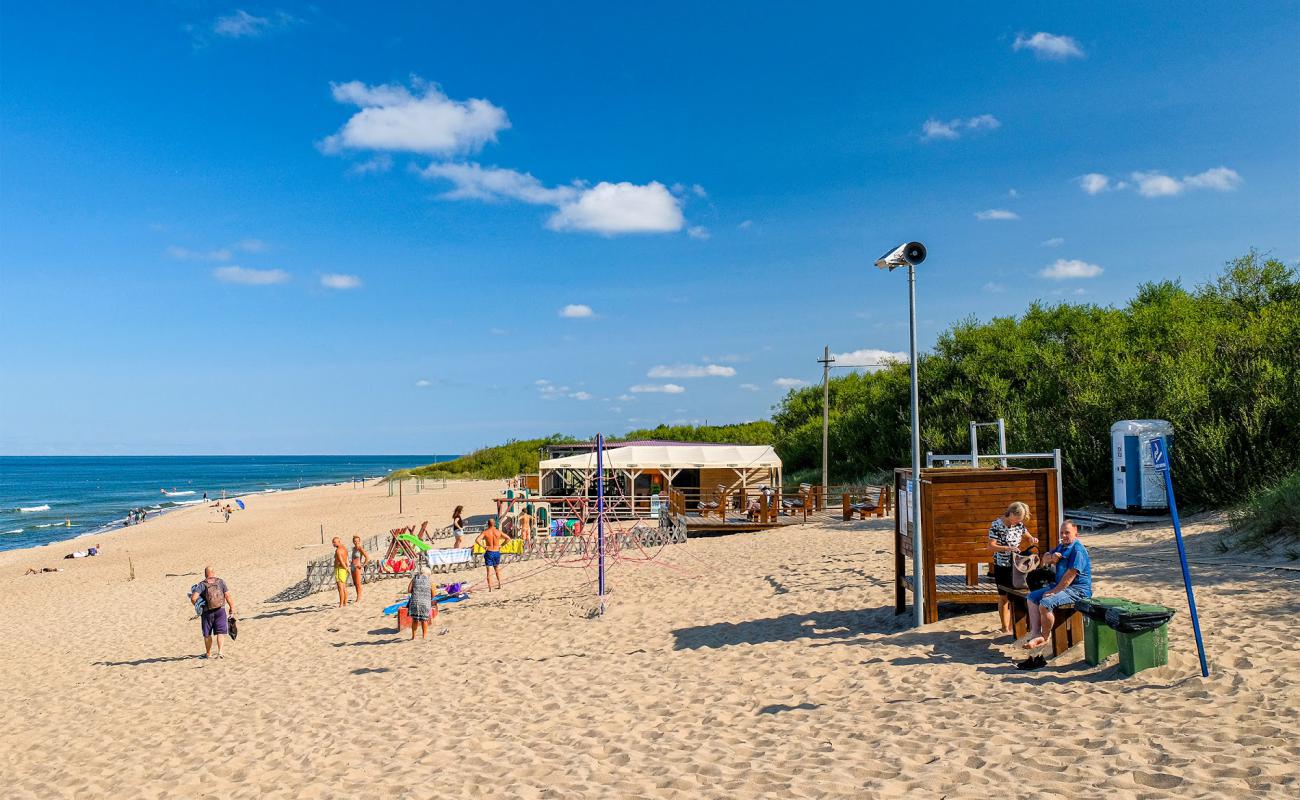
column 743, row 666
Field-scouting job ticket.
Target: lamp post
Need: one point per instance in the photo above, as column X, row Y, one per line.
column 909, row 255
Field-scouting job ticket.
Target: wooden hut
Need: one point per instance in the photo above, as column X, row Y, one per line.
column 957, row 506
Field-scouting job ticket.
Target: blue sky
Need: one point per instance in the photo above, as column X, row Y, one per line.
column 424, row 227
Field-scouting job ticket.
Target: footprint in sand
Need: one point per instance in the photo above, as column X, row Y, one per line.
column 1157, row 780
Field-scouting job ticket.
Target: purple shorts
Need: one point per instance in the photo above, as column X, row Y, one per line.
column 214, row 622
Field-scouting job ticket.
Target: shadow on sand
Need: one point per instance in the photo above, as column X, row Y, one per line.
column 140, row 662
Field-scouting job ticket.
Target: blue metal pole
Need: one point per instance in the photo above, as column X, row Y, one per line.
column 600, row 518
column 1182, row 557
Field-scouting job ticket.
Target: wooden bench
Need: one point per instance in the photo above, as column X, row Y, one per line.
column 800, row 502
column 1067, row 627
column 867, row 507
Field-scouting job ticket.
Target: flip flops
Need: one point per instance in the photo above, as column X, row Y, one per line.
column 1033, row 662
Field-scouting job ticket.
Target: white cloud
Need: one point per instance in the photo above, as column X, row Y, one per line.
column 425, row 120
column 1063, row 269
column 1155, row 184
column 380, row 163
column 185, row 254
column 498, row 331
column 749, row 387
column 243, row 25
column 983, row 122
column 422, row 383
column 1055, row 241
column 625, row 398
column 580, row 396
column 789, row 383
column 577, row 311
column 334, row 280
column 219, row 253
column 611, row 208
column 697, row 232
column 996, row 214
column 934, row 129
column 657, row 388
column 250, row 277
column 868, row 358
column 606, row 208
column 541, row 382
column 475, row 182
column 746, row 224
column 1094, row 182
column 994, row 288
column 1220, row 179
column 1049, row 46
column 1013, row 193
column 691, row 371
column 953, row 128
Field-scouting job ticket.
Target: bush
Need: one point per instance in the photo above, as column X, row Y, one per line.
column 1271, row 517
column 1220, row 363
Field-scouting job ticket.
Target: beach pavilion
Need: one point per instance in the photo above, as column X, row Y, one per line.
column 643, row 470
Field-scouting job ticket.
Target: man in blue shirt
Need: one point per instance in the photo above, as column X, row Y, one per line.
column 1073, row 583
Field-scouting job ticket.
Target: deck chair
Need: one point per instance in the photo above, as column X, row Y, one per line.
column 866, row 505
column 400, row 555
column 798, row 502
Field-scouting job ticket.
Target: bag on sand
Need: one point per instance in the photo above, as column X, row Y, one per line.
column 213, row 597
column 233, row 627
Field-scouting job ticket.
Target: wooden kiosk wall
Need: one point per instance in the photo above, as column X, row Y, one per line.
column 957, row 506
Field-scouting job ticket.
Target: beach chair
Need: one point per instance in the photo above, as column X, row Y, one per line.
column 799, row 502
column 400, row 555
column 866, row 505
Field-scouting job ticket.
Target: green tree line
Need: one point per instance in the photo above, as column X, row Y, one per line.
column 1220, row 362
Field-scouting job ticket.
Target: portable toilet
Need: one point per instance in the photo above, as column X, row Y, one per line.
column 1139, row 488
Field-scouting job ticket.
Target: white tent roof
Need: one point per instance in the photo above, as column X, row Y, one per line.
column 673, row 457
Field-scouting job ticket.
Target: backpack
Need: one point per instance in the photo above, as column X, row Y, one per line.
column 213, row 597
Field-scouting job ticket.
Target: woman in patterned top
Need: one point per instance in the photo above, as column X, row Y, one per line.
column 1005, row 536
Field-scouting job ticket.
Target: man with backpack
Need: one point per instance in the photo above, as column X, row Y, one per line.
column 217, row 609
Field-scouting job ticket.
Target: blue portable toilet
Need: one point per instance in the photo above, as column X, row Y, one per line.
column 1139, row 488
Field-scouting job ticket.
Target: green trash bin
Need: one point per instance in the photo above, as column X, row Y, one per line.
column 1099, row 641
column 1142, row 635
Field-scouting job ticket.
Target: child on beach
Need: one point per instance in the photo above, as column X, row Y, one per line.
column 1006, row 533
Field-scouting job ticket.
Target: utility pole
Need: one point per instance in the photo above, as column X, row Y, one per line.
column 826, row 362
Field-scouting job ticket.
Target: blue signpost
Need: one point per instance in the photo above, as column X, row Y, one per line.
column 1160, row 460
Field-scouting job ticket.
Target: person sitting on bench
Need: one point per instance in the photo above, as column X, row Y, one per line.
column 1073, row 583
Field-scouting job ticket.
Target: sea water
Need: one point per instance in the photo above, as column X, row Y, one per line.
column 51, row 498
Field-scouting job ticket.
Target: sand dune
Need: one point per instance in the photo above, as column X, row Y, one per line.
column 766, row 665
